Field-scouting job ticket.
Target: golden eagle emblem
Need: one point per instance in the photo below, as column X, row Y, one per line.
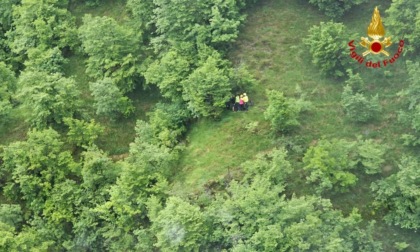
column 376, row 31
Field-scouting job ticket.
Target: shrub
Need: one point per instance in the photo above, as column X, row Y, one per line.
column 329, row 163
column 81, row 132
column 335, row 9
column 283, row 112
column 400, row 193
column 371, row 155
column 326, row 43
column 358, row 108
column 354, row 81
column 411, row 116
column 109, row 100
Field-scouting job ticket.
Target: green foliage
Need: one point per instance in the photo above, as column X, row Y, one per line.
column 168, row 123
column 142, row 13
column 403, row 23
column 48, row 60
column 207, row 88
column 354, row 81
column 329, row 164
column 113, row 51
column 109, row 100
column 7, row 89
column 6, row 11
column 214, row 23
column 272, row 166
column 179, row 226
column 400, row 246
column 41, row 23
column 35, row 167
column 282, row 112
column 371, row 155
column 147, row 150
column 326, row 43
column 255, row 218
column 358, row 108
column 411, row 95
column 400, row 193
column 10, row 214
column 98, row 173
column 168, row 73
column 335, row 9
column 50, row 97
column 82, row 133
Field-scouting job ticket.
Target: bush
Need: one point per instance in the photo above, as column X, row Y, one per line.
column 371, row 155
column 82, row 133
column 335, row 9
column 354, row 81
column 326, row 43
column 411, row 116
column 400, row 193
column 283, row 112
column 357, row 107
column 168, row 123
column 329, row 163
column 109, row 100
column 403, row 21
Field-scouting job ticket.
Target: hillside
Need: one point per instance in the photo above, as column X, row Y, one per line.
column 115, row 137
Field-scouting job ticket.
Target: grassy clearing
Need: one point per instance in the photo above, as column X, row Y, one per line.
column 271, row 46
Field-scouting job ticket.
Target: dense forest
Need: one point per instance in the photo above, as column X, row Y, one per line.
column 117, row 131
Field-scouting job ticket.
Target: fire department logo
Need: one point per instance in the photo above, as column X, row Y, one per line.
column 376, row 31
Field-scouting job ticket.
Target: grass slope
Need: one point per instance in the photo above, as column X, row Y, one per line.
column 271, row 46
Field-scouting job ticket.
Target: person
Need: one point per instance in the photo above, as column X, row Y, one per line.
column 245, row 101
column 236, row 105
column 241, row 103
column 231, row 102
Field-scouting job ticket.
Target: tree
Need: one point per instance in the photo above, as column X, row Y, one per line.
column 109, row 100
column 113, row 51
column 44, row 59
column 326, row 43
column 51, row 97
column 335, row 9
column 359, row 108
column 282, row 112
column 272, row 166
column 168, row 123
column 214, row 23
column 35, row 167
column 403, row 23
column 6, row 11
column 371, row 155
column 45, row 23
column 411, row 115
column 400, row 193
column 254, row 216
column 142, row 14
column 207, row 88
column 330, row 163
column 179, row 226
column 355, row 81
column 82, row 133
column 168, row 74
column 7, row 89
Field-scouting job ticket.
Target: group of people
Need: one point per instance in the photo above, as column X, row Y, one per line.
column 240, row 102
